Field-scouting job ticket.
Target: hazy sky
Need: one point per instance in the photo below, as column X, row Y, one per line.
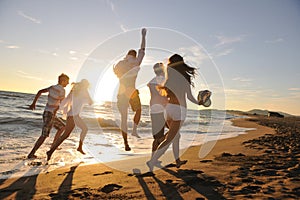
column 247, row 52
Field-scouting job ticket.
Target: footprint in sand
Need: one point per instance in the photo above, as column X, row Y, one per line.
column 110, row 188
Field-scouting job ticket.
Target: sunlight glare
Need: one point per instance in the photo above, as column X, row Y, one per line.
column 106, row 87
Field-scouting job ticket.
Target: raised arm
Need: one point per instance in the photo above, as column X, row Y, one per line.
column 32, row 106
column 143, row 43
column 141, row 52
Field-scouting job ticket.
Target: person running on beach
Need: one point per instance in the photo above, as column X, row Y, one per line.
column 157, row 105
column 177, row 87
column 127, row 70
column 72, row 106
column 56, row 93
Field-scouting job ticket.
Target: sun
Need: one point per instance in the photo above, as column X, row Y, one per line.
column 107, row 86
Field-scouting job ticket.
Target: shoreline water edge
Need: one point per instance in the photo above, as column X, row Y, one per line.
column 253, row 165
column 261, row 164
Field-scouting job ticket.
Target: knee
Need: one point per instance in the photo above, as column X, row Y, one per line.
column 169, row 139
column 85, row 130
column 43, row 137
column 138, row 111
column 155, row 142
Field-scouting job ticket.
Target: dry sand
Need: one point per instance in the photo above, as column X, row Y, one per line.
column 258, row 169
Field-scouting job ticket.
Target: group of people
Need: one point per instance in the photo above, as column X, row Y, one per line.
column 70, row 106
column 168, row 107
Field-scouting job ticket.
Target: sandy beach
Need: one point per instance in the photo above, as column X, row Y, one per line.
column 262, row 164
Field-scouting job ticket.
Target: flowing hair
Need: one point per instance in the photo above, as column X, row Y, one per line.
column 177, row 63
column 80, row 86
column 177, row 73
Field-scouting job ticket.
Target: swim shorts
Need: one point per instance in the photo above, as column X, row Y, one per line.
column 175, row 112
column 49, row 121
column 135, row 101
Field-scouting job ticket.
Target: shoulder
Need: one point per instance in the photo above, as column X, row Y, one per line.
column 58, row 89
column 153, row 81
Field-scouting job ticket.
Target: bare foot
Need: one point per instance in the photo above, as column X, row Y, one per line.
column 127, row 148
column 48, row 155
column 31, row 156
column 180, row 162
column 81, row 151
column 136, row 135
column 158, row 164
column 150, row 166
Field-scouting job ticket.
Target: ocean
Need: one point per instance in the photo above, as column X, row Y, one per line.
column 20, row 127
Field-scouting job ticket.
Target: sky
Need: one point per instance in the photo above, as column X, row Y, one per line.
column 246, row 52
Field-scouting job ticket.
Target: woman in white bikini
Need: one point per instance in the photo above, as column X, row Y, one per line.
column 177, row 88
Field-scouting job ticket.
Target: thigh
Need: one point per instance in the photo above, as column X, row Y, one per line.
column 70, row 124
column 174, row 127
column 79, row 122
column 122, row 102
column 48, row 119
column 158, row 124
column 58, row 123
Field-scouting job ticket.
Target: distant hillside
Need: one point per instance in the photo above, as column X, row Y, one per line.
column 265, row 112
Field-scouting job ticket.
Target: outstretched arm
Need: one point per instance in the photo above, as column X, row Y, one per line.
column 191, row 97
column 143, row 43
column 32, row 106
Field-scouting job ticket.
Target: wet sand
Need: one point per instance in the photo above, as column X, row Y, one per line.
column 262, row 164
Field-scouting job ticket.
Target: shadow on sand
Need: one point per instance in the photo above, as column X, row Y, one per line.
column 185, row 180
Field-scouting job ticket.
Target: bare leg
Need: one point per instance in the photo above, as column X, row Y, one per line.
column 156, row 143
column 80, row 147
column 162, row 148
column 175, row 146
column 158, row 129
column 124, row 128
column 37, row 145
column 57, row 135
column 84, row 129
column 136, row 121
column 70, row 124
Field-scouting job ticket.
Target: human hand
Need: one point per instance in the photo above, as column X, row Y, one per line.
column 204, row 98
column 144, row 31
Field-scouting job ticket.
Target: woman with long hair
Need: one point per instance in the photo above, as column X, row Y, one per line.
column 72, row 106
column 177, row 88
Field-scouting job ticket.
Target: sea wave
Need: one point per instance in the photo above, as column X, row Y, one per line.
column 36, row 122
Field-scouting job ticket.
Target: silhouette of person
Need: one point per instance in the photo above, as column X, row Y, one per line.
column 56, row 93
column 177, row 88
column 127, row 71
column 157, row 105
column 72, row 106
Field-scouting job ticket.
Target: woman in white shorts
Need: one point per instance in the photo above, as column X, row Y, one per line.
column 72, row 106
column 177, row 88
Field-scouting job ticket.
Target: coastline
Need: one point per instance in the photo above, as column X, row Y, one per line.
column 211, row 177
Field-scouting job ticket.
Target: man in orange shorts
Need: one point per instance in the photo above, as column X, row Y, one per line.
column 127, row 71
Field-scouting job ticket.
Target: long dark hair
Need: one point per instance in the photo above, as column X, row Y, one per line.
column 177, row 63
column 177, row 73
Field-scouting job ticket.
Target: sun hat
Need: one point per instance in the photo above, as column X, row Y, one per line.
column 204, row 98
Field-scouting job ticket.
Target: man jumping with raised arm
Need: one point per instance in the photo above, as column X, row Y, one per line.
column 127, row 71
